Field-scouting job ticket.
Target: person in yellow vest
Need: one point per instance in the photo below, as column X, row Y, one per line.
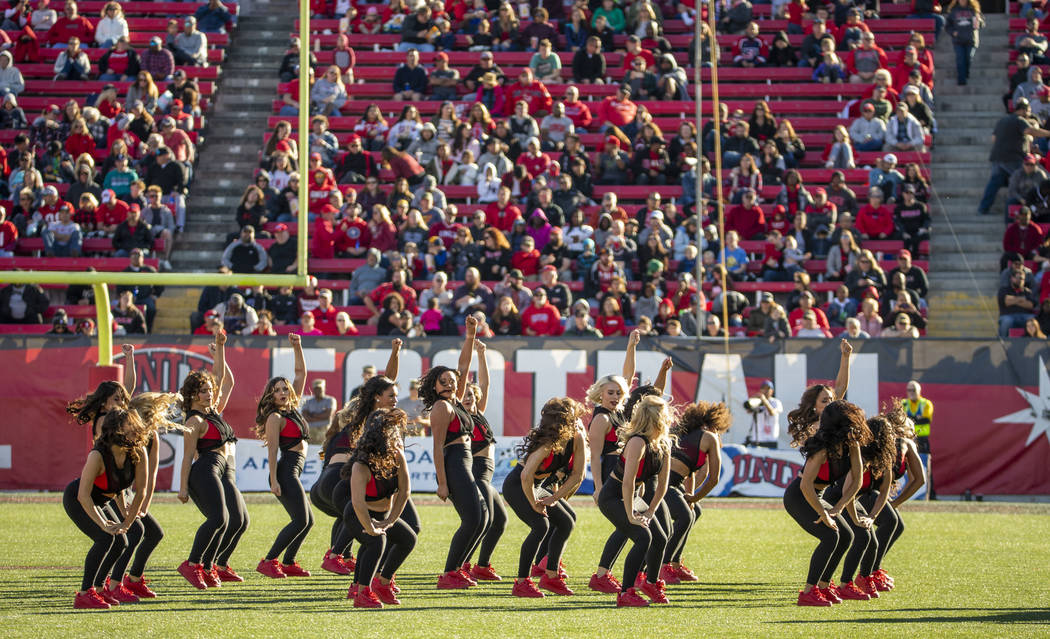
column 920, row 411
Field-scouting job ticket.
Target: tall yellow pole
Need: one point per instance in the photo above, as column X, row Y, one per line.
column 304, row 132
column 105, row 324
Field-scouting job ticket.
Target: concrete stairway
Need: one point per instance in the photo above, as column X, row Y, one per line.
column 173, row 310
column 234, row 135
column 965, row 247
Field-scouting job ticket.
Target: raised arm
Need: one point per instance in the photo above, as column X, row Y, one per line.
column 130, row 380
column 222, row 371
column 483, row 376
column 842, row 381
column 463, row 368
column 394, row 362
column 629, row 360
column 661, row 377
column 299, row 382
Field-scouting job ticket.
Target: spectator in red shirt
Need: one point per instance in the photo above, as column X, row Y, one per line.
column 576, row 111
column 1023, row 236
column 616, row 110
column 502, row 213
column 327, row 238
column 69, row 25
column 527, row 259
column 806, row 302
column 635, row 50
column 374, row 302
column 111, row 212
column 875, row 219
column 357, row 236
column 534, row 159
column 866, row 59
column 541, row 317
column 403, row 165
column 8, row 235
column 747, row 218
column 51, row 205
column 321, row 186
column 532, row 91
column 212, row 323
column 908, row 62
column 610, row 320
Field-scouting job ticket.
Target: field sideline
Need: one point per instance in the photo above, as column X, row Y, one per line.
column 962, row 570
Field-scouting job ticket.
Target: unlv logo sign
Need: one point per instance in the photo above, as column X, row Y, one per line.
column 163, row 369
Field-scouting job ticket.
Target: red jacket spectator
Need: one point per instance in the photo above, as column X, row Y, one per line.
column 611, row 325
column 875, row 222
column 579, row 114
column 545, row 320
column 795, row 318
column 747, row 222
column 327, row 237
column 502, row 217
column 644, row 54
column 445, row 232
column 1023, row 239
column 861, row 55
column 404, row 291
column 535, row 165
column 357, row 234
column 616, row 111
column 321, row 184
column 533, row 92
column 528, row 262
column 902, row 70
column 8, row 235
column 66, row 27
column 78, row 143
column 111, row 213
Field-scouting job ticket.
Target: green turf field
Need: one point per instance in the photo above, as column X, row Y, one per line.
column 962, row 570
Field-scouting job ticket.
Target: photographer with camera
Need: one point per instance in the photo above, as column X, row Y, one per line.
column 765, row 415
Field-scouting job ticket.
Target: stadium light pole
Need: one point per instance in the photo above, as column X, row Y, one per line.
column 716, row 115
column 304, row 134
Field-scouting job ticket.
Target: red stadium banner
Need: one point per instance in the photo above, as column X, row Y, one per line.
column 990, row 435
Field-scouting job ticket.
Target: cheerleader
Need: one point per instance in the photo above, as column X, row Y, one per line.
column 646, row 454
column 379, row 489
column 549, row 448
column 804, row 420
column 475, row 400
column 116, row 462
column 378, row 392
column 279, row 423
column 696, row 462
column 442, row 390
column 888, row 523
column 878, row 457
column 208, row 473
column 831, row 452
column 549, row 486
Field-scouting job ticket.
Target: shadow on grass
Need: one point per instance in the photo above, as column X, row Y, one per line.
column 1002, row 615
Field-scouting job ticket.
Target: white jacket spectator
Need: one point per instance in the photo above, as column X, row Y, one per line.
column 42, row 18
column 904, row 132
column 463, row 174
column 11, row 80
column 192, row 43
column 867, row 130
column 111, row 26
column 488, row 184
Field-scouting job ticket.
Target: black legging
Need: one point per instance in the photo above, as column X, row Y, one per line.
column 648, row 541
column 321, row 497
column 293, row 498
column 143, row 537
column 213, row 488
column 833, row 543
column 618, row 540
column 496, row 520
column 888, row 528
column 553, row 531
column 106, row 548
column 557, row 518
column 340, row 497
column 864, row 546
column 683, row 517
column 383, row 553
column 465, row 496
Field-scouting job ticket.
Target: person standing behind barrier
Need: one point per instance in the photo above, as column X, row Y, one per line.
column 767, row 419
column 920, row 411
column 318, row 411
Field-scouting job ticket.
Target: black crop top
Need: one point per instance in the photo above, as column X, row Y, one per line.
column 616, row 420
column 556, row 462
column 295, row 429
column 339, row 444
column 481, row 437
column 218, row 433
column 648, row 465
column 380, row 487
column 688, row 450
column 901, row 467
column 460, row 424
column 112, row 480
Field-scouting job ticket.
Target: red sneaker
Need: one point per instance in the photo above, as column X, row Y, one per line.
column 366, row 599
column 193, row 574
column 350, row 563
column 684, row 574
column 466, row 577
column 543, row 568
column 122, row 594
column 295, row 570
column 384, row 593
column 334, row 564
column 669, row 575
column 880, row 583
column 526, row 588
column 89, row 600
column 639, row 580
column 605, row 583
column 452, row 580
column 94, row 592
column 656, row 591
column 138, row 588
column 105, row 595
column 867, row 586
column 630, row 599
column 812, row 598
column 484, row 573
column 270, row 568
column 885, row 577
column 227, row 574
column 352, row 592
column 555, row 585
column 851, row 591
column 211, row 577
column 393, row 585
column 537, row 571
column 829, row 594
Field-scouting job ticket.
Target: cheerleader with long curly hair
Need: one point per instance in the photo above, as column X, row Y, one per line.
column 803, row 421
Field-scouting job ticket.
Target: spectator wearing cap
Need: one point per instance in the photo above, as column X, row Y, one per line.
column 443, row 79
column 41, row 18
column 410, row 79
column 213, row 17
column 132, row 233
column 121, row 63
column 356, row 166
column 120, row 177
column 245, row 255
column 191, row 45
column 486, row 64
column 904, row 131
column 580, row 326
column 212, row 324
column 540, row 318
column 170, row 177
column 60, row 323
column 887, row 178
column 912, row 219
column 110, row 213
column 145, row 295
column 70, row 25
column 282, row 253
column 868, row 133
column 72, row 63
column 612, row 166
column 651, row 164
column 1008, row 150
column 616, row 111
column 398, row 284
column 289, row 69
column 62, row 236
column 756, row 319
column 157, row 61
column 1024, row 180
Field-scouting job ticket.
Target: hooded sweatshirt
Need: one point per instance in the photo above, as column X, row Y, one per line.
column 11, row 80
column 539, row 229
